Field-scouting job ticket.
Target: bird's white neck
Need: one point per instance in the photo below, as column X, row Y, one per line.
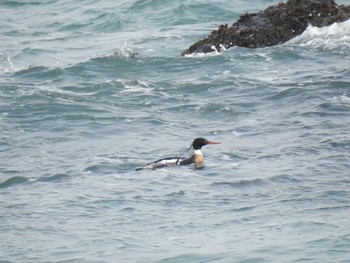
column 198, row 158
column 197, row 152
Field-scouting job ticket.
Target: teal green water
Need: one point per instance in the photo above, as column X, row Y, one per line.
column 89, row 93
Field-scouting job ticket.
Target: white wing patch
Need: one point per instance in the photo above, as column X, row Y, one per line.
column 164, row 163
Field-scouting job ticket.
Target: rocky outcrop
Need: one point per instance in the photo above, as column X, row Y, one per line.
column 275, row 25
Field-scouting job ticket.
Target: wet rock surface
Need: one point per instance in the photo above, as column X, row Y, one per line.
column 272, row 26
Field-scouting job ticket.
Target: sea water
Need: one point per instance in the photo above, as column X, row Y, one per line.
column 90, row 91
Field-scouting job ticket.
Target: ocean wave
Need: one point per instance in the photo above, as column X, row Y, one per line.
column 241, row 184
column 13, row 3
column 333, row 37
column 13, row 181
column 53, row 178
column 220, row 257
column 39, row 73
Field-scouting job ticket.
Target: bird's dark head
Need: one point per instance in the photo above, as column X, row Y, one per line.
column 198, row 143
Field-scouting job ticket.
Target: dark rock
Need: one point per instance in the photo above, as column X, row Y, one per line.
column 275, row 25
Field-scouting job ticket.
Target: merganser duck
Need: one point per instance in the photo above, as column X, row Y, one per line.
column 197, row 157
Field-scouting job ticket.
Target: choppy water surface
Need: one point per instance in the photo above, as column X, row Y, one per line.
column 89, row 93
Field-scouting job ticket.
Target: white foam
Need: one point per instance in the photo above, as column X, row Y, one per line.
column 9, row 61
column 202, row 55
column 215, row 52
column 138, row 86
column 335, row 36
column 125, row 51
